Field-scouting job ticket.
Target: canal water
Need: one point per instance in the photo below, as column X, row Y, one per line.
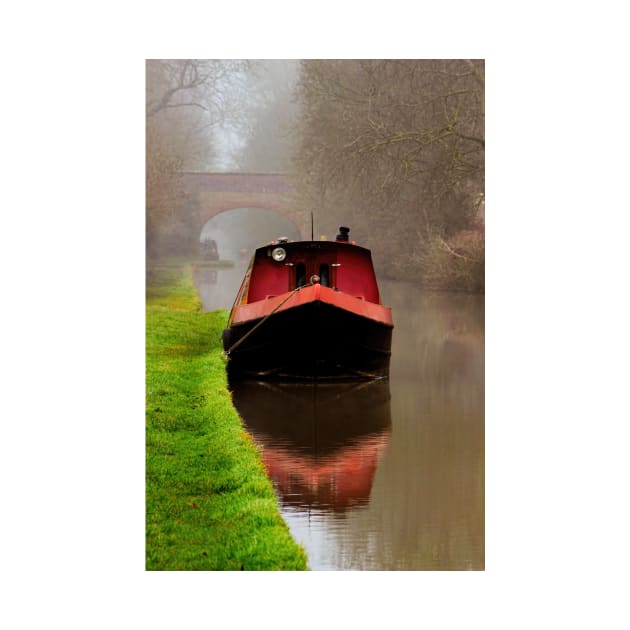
column 380, row 475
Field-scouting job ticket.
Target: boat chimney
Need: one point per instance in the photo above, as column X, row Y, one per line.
column 343, row 234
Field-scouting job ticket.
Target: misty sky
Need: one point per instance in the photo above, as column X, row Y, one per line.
column 276, row 75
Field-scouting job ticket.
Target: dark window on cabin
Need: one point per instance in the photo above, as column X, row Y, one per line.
column 323, row 275
column 300, row 275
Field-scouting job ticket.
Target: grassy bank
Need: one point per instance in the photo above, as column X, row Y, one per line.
column 209, row 502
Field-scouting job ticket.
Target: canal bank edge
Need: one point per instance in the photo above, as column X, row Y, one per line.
column 209, row 502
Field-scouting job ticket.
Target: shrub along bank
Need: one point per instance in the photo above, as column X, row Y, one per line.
column 209, row 502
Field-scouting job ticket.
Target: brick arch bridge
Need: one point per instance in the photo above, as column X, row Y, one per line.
column 209, row 194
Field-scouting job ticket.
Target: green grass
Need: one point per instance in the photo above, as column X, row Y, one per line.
column 209, row 502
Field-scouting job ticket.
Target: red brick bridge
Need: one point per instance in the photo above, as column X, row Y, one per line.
column 210, row 194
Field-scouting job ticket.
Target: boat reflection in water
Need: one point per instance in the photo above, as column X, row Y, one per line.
column 321, row 442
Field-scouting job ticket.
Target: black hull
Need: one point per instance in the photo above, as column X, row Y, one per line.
column 311, row 341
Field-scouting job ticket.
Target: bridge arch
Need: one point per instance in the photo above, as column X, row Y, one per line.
column 237, row 232
column 211, row 194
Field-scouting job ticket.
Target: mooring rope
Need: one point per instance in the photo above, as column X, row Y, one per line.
column 265, row 318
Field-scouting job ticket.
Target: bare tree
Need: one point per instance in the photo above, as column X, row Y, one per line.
column 184, row 102
column 397, row 146
column 181, row 83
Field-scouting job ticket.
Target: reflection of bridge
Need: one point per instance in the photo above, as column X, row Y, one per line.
column 210, row 194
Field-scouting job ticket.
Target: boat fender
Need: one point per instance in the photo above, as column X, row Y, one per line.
column 226, row 337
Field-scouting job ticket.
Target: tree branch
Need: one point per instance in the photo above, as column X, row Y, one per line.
column 446, row 246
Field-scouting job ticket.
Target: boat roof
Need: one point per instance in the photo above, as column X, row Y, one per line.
column 312, row 244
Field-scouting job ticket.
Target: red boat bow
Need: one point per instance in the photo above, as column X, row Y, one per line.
column 313, row 293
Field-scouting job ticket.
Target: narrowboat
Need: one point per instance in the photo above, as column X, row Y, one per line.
column 309, row 310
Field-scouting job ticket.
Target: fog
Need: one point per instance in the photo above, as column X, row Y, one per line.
column 215, row 116
column 256, row 139
column 238, row 232
column 393, row 148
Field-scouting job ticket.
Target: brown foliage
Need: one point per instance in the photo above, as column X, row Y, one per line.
column 396, row 149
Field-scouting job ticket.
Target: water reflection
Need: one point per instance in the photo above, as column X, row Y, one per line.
column 321, row 443
column 218, row 287
column 205, row 276
column 377, row 483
